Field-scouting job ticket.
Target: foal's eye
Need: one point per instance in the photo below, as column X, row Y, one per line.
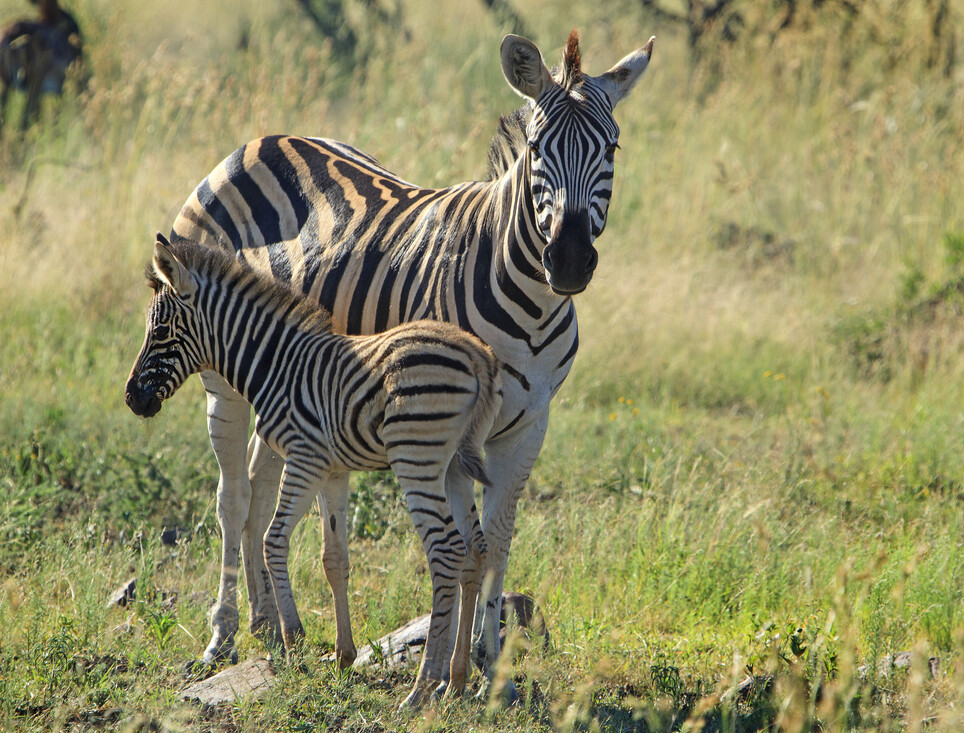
column 161, row 331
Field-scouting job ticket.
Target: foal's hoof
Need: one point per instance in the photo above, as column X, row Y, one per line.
column 451, row 691
column 507, row 697
column 268, row 632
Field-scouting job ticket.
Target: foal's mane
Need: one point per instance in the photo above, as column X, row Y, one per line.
column 211, row 264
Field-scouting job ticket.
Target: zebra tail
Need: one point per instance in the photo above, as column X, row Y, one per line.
column 487, row 405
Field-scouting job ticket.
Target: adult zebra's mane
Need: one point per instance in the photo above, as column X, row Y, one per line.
column 211, row 264
column 509, row 141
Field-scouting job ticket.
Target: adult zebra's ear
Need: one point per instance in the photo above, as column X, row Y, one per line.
column 170, row 270
column 620, row 79
column 523, row 67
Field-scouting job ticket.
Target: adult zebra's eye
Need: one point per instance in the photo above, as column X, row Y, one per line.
column 161, row 331
column 611, row 152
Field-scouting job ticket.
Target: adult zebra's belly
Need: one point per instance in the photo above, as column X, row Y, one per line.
column 536, row 359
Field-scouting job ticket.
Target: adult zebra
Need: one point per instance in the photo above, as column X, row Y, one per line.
column 501, row 258
column 419, row 398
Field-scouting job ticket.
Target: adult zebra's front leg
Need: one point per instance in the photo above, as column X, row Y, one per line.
column 264, row 472
column 334, row 558
column 228, row 417
column 509, row 461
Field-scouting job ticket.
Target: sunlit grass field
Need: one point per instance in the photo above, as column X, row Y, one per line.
column 754, row 470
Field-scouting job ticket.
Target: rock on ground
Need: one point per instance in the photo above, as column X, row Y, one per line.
column 405, row 644
column 246, row 680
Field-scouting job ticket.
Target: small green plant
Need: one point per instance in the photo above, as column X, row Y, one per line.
column 160, row 623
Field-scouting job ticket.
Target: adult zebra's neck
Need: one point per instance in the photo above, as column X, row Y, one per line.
column 518, row 245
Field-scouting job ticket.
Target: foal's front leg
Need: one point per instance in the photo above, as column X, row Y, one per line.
column 228, row 418
column 304, row 474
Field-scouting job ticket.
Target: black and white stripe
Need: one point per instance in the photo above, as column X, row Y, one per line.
column 419, row 398
column 500, row 258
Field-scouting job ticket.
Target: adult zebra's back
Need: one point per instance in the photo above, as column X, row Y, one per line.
column 500, row 258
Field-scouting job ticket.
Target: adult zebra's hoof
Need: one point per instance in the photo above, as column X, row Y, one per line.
column 222, row 657
column 198, row 669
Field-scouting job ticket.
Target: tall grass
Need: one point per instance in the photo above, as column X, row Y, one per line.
column 753, row 470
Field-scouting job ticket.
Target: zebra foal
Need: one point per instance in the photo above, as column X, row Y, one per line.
column 419, row 399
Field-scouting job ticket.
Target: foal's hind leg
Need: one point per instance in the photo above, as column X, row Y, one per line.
column 470, row 583
column 460, row 491
column 445, row 551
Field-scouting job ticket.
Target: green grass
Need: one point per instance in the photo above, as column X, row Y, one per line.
column 754, row 469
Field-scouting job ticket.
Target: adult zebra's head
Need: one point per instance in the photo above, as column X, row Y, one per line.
column 571, row 143
column 167, row 357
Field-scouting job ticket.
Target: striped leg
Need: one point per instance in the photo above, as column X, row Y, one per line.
column 509, row 461
column 264, row 471
column 228, row 418
column 300, row 481
column 470, row 583
column 461, row 496
column 445, row 551
column 334, row 558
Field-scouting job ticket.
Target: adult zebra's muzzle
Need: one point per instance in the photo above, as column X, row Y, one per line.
column 143, row 402
column 569, row 257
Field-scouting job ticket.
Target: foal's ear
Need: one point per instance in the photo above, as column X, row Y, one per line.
column 620, row 79
column 171, row 271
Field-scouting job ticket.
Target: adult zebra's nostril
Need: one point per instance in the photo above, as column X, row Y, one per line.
column 591, row 260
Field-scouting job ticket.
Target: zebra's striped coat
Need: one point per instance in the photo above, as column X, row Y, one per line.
column 419, row 398
column 500, row 258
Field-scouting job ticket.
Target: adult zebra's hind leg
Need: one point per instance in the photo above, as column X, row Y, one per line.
column 228, row 418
